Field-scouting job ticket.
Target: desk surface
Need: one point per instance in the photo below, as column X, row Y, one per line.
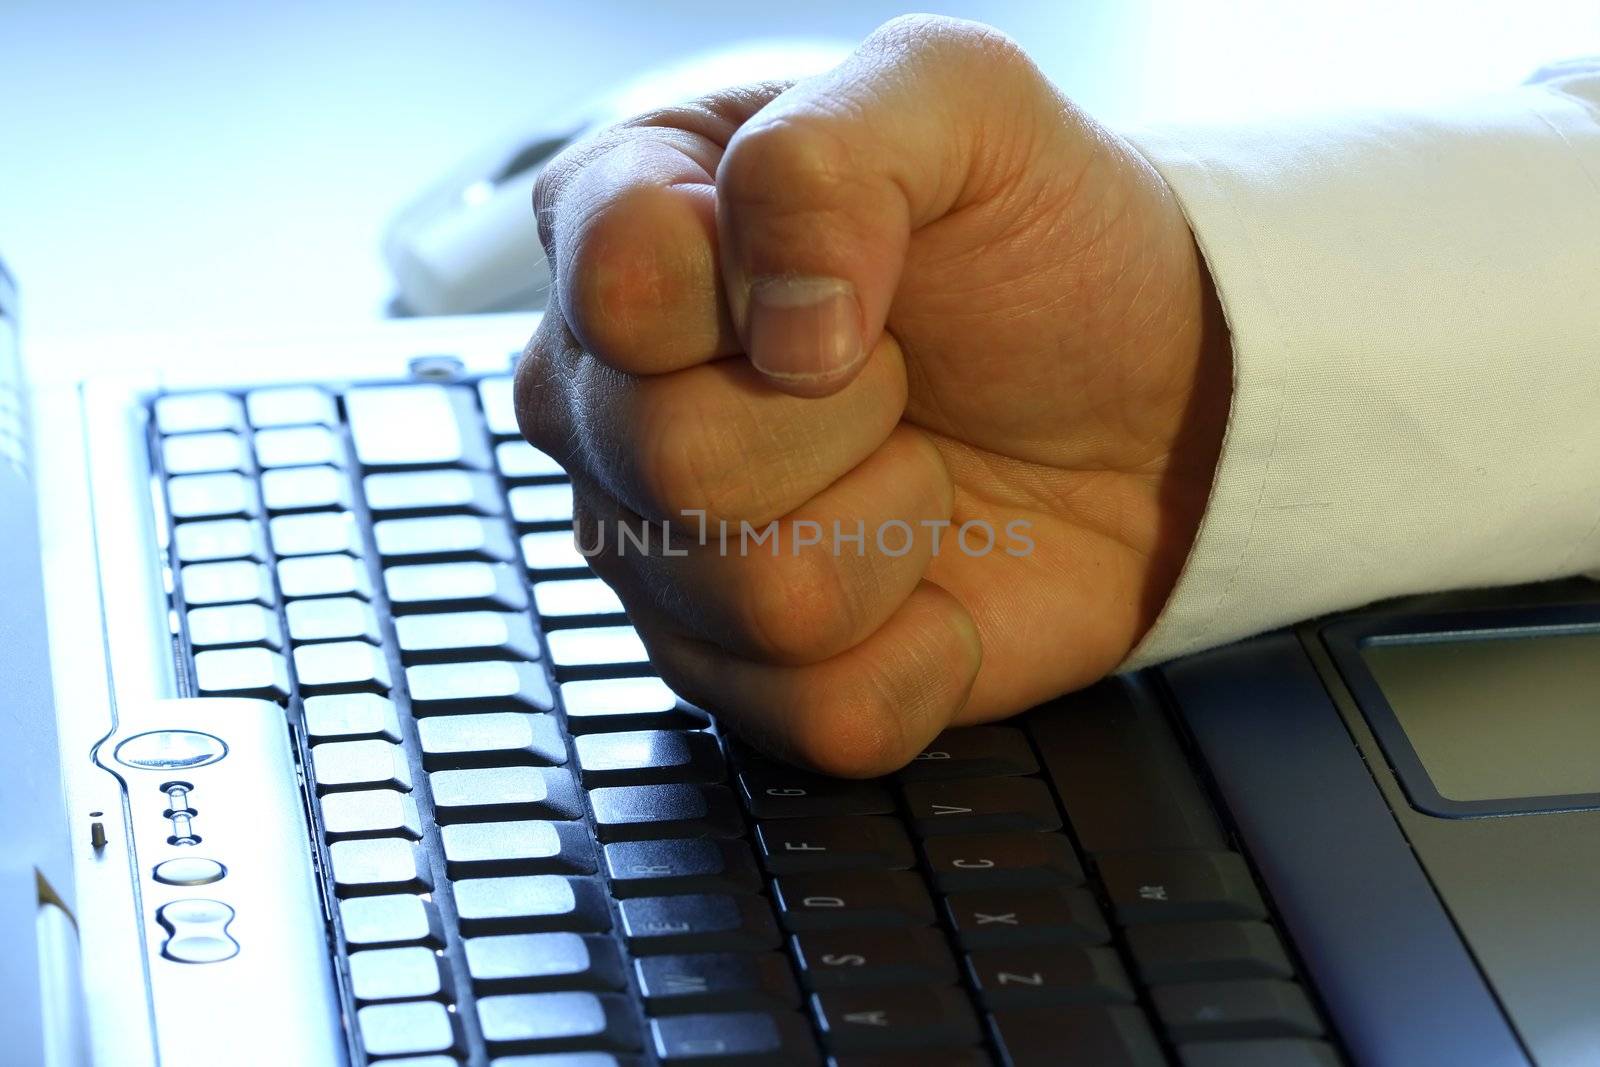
column 186, row 167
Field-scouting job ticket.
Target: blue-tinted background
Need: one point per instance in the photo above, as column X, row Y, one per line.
column 189, row 166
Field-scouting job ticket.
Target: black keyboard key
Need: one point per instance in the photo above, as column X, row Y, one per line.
column 715, row 981
column 482, row 849
column 491, row 739
column 209, row 542
column 409, row 1028
column 649, row 757
column 829, row 900
column 845, row 959
column 499, row 794
column 557, row 1022
column 1016, row 860
column 734, row 1039
column 532, row 963
column 242, row 672
column 440, row 538
column 397, row 974
column 421, row 425
column 454, row 587
column 382, row 865
column 778, row 791
column 1042, row 976
column 370, row 813
column 400, row 919
column 1122, row 777
column 680, row 865
column 369, row 764
column 1273, row 1052
column 1114, row 1036
column 203, row 453
column 441, row 688
column 351, row 717
column 232, row 625
column 697, row 922
column 1002, row 918
column 332, row 619
column 317, row 533
column 636, row 812
column 212, row 496
column 298, row 446
column 417, row 493
column 965, row 1056
column 530, row 903
column 295, row 489
column 606, row 704
column 972, row 752
column 981, row 805
column 1156, row 887
column 887, row 1017
column 198, row 413
column 1250, row 1008
column 342, row 667
column 290, row 405
column 1208, row 951
column 465, row 635
column 795, row 846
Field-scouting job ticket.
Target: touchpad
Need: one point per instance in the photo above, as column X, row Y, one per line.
column 1493, row 722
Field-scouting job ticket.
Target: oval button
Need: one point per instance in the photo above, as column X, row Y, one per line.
column 189, row 870
column 170, row 750
column 199, row 931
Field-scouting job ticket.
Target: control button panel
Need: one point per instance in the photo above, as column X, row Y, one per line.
column 197, row 930
column 170, row 750
column 189, row 870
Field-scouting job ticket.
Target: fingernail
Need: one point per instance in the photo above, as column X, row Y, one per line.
column 803, row 328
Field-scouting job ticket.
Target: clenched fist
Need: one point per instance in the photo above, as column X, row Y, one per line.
column 952, row 337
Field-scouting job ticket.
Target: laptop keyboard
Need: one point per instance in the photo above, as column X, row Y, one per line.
column 538, row 850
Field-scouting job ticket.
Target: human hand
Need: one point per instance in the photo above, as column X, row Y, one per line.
column 920, row 288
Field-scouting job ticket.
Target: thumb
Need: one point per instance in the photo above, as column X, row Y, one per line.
column 819, row 193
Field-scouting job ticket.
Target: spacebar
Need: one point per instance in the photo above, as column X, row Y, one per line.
column 1120, row 774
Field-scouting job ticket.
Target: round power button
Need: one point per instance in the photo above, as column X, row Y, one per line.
column 170, row 750
column 189, row 870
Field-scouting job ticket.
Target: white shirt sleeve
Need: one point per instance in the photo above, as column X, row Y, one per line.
column 1414, row 304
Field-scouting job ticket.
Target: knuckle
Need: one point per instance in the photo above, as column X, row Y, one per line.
column 688, row 460
column 785, row 160
column 852, row 734
column 531, row 389
column 795, row 606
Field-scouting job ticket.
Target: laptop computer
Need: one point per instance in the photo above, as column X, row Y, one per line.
column 322, row 746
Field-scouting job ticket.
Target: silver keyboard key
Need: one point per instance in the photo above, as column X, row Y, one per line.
column 396, row 974
column 531, row 903
column 576, row 598
column 499, row 410
column 490, row 739
column 342, row 765
column 454, row 587
column 381, row 865
column 290, row 405
column 442, row 537
column 305, row 489
column 596, row 646
column 606, row 704
column 477, row 686
column 428, row 425
column 242, row 672
column 198, row 413
column 521, row 462
column 350, row 717
column 558, row 1020
column 499, row 794
column 537, row 504
column 552, row 550
column 206, row 542
column 332, row 575
column 390, row 920
column 460, row 635
column 409, row 1028
column 297, row 446
column 332, row 619
column 202, row 453
column 211, row 496
column 315, row 534
column 341, row 667
column 432, row 492
column 234, row 624
column 370, row 813
column 235, row 582
column 479, row 849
